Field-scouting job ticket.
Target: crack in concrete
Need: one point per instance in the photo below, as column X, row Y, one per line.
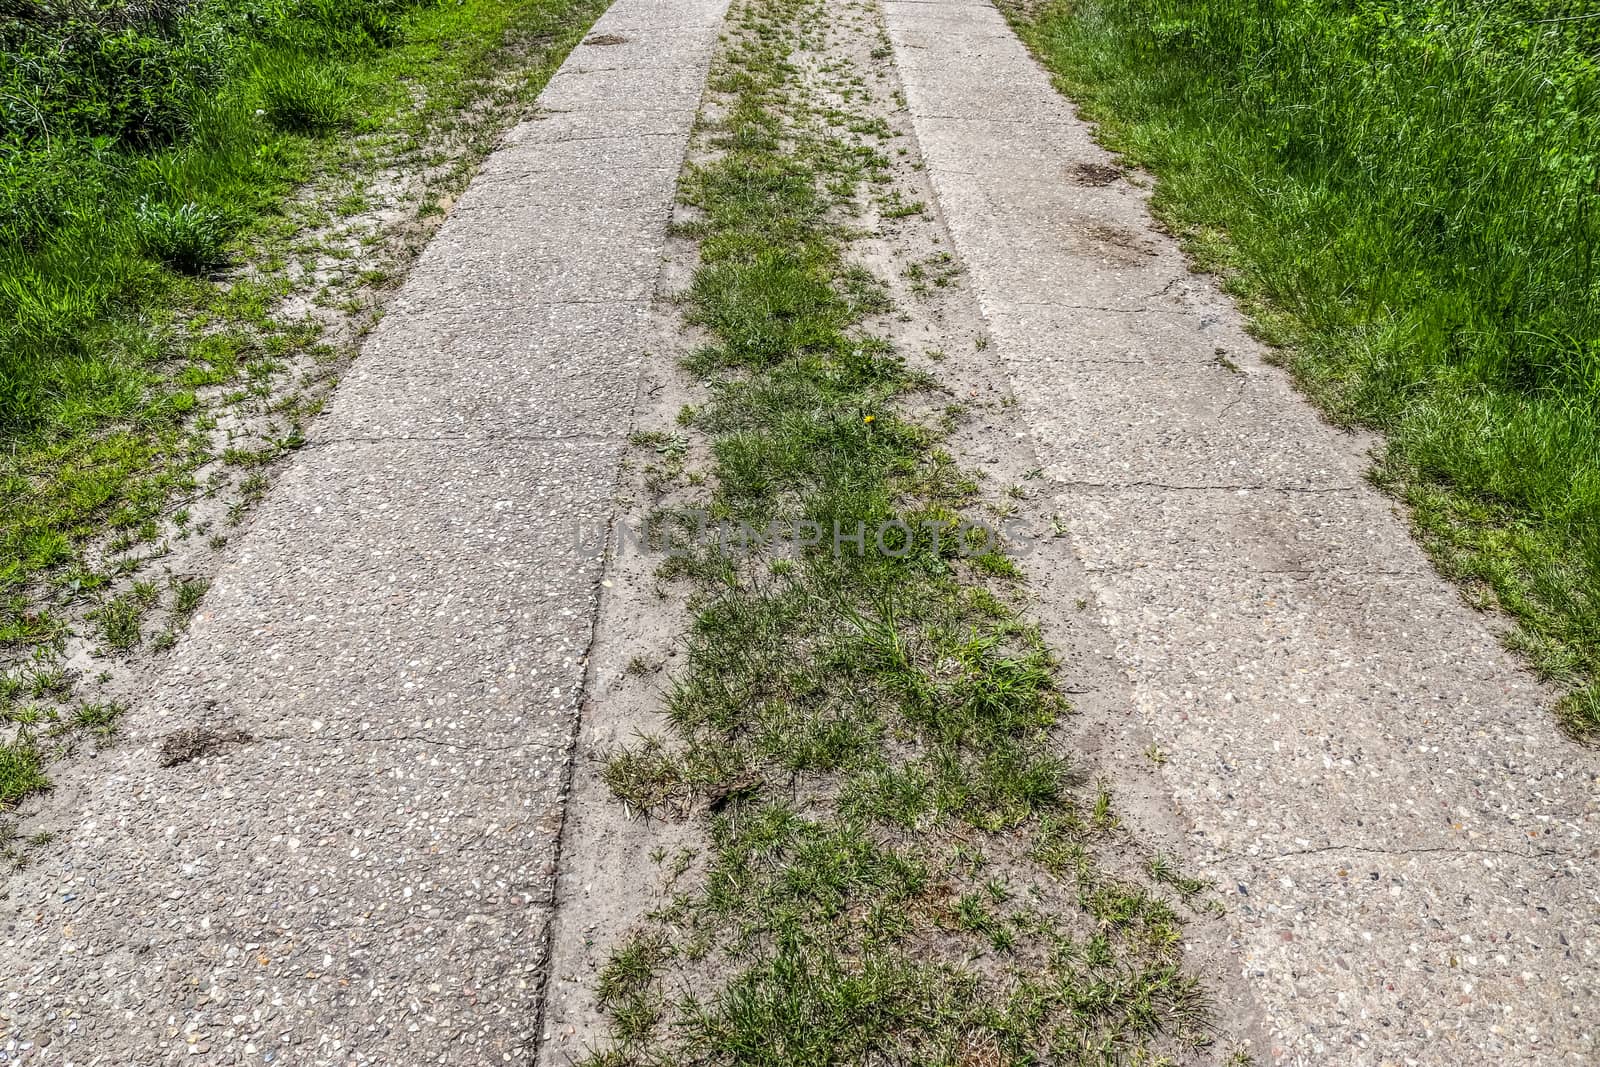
column 636, row 68
column 1226, row 488
column 415, row 312
column 623, row 138
column 671, row 110
column 445, row 439
column 1238, row 395
column 1030, row 123
column 1108, row 308
column 534, row 168
column 584, row 695
column 1347, row 572
column 1098, row 307
column 421, row 739
column 1418, row 851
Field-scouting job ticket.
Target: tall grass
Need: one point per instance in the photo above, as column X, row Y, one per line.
column 1405, row 193
column 133, row 138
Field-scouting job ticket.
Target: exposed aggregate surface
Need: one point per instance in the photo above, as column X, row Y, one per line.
column 332, row 835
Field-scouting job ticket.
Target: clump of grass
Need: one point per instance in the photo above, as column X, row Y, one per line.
column 298, row 96
column 45, row 681
column 868, row 735
column 21, row 772
column 1405, row 195
column 121, row 618
column 99, row 719
column 187, row 594
column 185, row 237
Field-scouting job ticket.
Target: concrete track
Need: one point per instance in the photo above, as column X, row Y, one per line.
column 332, row 835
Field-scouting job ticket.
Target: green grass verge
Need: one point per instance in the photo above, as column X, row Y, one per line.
column 901, row 867
column 1404, row 193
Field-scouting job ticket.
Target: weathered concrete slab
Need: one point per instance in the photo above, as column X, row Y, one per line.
column 297, row 901
column 1174, row 425
column 444, row 600
column 351, row 859
column 654, row 88
column 585, row 152
column 1409, row 844
column 537, row 370
column 1302, row 534
column 555, row 127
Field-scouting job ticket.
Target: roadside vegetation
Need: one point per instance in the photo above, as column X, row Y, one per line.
column 1406, row 194
column 902, row 864
column 184, row 188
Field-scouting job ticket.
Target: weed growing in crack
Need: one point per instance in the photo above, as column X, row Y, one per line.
column 186, row 595
column 121, row 618
column 99, row 719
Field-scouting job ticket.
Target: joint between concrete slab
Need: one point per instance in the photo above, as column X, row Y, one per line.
column 1238, row 487
column 463, row 438
column 1425, row 850
column 420, row 739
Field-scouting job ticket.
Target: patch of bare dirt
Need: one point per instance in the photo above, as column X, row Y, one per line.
column 1095, row 173
column 191, row 743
